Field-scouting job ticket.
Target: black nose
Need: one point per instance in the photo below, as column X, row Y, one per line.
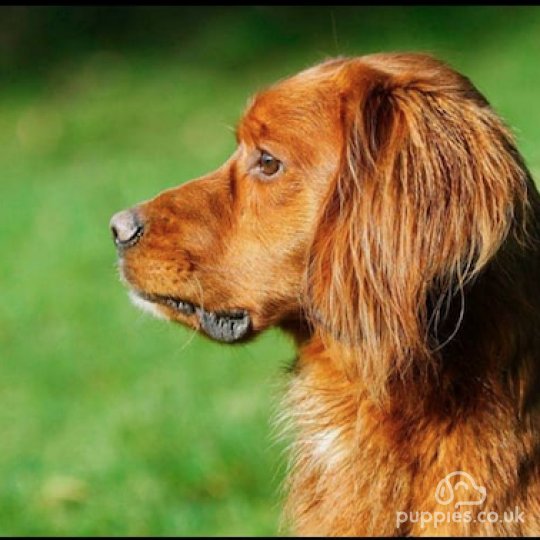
column 127, row 228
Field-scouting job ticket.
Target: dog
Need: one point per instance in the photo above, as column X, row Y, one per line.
column 377, row 209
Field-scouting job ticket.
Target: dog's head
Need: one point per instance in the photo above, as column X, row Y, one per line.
column 361, row 192
column 227, row 252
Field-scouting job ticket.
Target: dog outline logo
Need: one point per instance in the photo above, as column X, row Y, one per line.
column 445, row 492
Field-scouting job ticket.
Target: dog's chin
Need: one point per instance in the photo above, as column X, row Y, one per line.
column 224, row 325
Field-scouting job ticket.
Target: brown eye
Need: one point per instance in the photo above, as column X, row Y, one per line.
column 268, row 164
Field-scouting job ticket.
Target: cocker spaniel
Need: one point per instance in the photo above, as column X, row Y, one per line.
column 377, row 210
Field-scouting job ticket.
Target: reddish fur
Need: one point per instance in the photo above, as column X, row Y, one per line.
column 400, row 248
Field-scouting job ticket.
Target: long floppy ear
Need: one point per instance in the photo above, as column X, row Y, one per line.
column 429, row 186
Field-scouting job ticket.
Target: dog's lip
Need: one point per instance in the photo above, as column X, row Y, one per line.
column 183, row 307
column 228, row 325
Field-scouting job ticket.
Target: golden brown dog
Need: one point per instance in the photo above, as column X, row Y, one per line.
column 378, row 210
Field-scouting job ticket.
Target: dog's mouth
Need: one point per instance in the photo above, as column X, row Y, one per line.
column 225, row 325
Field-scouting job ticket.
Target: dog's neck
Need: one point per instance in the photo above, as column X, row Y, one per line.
column 361, row 455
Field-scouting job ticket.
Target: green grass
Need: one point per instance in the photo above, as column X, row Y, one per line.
column 114, row 423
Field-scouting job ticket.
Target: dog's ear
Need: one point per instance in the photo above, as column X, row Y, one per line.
column 426, row 193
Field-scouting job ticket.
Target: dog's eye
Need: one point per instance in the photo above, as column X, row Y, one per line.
column 268, row 164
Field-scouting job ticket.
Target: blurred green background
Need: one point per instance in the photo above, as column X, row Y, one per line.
column 111, row 422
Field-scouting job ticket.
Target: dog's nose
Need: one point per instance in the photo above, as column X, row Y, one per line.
column 127, row 228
